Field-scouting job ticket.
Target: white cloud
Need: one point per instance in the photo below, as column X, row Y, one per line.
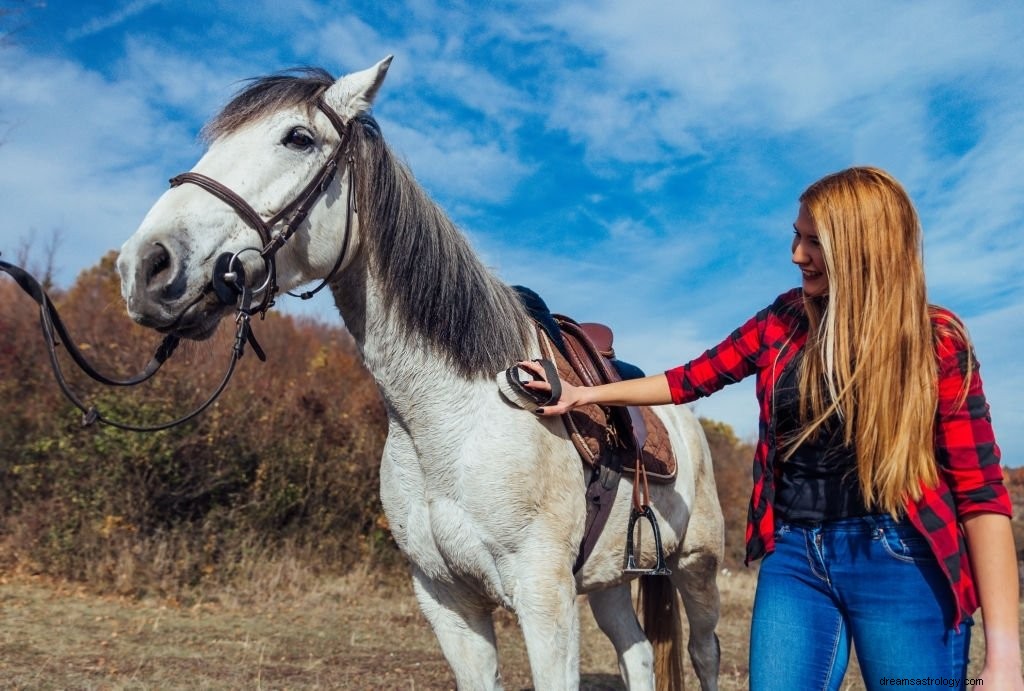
column 82, row 155
column 109, row 21
column 719, row 69
column 175, row 81
column 973, row 220
column 345, row 44
column 454, row 164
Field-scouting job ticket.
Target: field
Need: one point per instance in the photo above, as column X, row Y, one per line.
column 337, row 634
column 227, row 546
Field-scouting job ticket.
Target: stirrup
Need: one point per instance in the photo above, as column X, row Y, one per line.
column 659, row 569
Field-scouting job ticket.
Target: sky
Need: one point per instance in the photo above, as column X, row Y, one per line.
column 636, row 163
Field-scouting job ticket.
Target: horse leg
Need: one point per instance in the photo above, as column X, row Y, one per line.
column 695, row 576
column 464, row 628
column 614, row 613
column 695, row 573
column 545, row 605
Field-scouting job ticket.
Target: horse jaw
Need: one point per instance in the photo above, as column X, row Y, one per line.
column 353, row 94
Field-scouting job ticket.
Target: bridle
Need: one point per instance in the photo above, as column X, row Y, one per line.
column 228, row 282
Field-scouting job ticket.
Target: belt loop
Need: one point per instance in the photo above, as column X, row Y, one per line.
column 877, row 526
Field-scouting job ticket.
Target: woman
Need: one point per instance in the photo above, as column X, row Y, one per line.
column 878, row 503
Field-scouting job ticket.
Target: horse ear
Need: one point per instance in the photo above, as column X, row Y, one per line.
column 353, row 94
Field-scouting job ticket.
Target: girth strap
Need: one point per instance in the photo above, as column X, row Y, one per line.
column 603, row 482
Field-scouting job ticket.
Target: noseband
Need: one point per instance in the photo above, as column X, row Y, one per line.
column 226, row 280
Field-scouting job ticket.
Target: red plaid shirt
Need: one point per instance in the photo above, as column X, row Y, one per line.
column 970, row 478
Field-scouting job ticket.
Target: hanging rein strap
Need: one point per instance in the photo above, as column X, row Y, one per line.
column 56, row 335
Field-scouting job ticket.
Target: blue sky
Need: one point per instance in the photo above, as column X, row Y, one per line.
column 636, row 163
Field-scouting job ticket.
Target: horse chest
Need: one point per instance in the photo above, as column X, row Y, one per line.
column 462, row 511
column 440, row 535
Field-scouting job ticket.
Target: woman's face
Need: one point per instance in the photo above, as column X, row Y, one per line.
column 807, row 255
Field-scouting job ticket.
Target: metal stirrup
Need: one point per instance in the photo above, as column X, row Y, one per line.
column 659, row 569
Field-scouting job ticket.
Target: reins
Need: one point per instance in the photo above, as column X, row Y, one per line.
column 55, row 334
column 228, row 284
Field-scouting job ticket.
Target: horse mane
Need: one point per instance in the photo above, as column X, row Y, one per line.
column 429, row 273
column 298, row 86
column 431, row 278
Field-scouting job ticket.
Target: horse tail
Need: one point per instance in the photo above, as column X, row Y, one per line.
column 663, row 624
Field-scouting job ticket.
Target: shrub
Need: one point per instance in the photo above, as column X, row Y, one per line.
column 285, row 460
column 284, row 466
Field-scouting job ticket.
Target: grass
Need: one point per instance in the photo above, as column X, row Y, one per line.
column 351, row 633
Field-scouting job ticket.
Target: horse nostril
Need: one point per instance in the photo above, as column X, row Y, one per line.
column 155, row 263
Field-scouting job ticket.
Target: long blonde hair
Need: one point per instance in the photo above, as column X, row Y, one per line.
column 870, row 355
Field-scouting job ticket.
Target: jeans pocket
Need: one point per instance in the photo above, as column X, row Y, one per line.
column 905, row 544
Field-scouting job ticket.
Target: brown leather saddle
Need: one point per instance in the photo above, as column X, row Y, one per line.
column 611, row 440
column 634, row 434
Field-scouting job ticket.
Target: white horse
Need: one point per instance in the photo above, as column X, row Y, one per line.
column 485, row 499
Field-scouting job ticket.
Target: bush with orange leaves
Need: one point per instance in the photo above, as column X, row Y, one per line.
column 287, row 458
column 283, row 465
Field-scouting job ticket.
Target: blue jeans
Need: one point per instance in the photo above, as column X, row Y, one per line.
column 869, row 581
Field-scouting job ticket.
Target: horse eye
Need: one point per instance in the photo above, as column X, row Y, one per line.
column 298, row 138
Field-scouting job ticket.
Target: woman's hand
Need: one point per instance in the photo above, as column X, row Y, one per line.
column 572, row 396
column 1006, row 675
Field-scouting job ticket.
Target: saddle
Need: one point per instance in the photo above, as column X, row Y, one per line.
column 634, row 436
column 611, row 440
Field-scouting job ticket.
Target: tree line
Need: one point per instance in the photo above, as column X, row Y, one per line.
column 284, row 464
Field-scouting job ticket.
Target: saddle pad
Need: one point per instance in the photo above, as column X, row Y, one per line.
column 590, row 429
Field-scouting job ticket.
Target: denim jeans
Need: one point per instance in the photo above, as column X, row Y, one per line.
column 871, row 582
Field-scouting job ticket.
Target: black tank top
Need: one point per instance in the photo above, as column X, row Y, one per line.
column 818, row 482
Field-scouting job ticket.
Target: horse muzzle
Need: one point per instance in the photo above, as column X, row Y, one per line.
column 153, row 281
column 161, row 292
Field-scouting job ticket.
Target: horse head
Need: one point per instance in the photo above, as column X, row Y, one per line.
column 253, row 212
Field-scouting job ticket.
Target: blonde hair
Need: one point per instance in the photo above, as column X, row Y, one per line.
column 870, row 355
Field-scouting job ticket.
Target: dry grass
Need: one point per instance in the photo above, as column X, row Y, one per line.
column 296, row 633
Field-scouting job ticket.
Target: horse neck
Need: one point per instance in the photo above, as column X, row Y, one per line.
column 419, row 387
column 429, row 317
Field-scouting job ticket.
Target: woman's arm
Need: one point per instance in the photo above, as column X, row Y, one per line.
column 728, row 362
column 994, row 562
column 968, row 458
column 652, row 390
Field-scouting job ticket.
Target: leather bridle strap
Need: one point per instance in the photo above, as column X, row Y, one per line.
column 223, row 193
column 298, row 209
column 57, row 333
column 350, row 212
